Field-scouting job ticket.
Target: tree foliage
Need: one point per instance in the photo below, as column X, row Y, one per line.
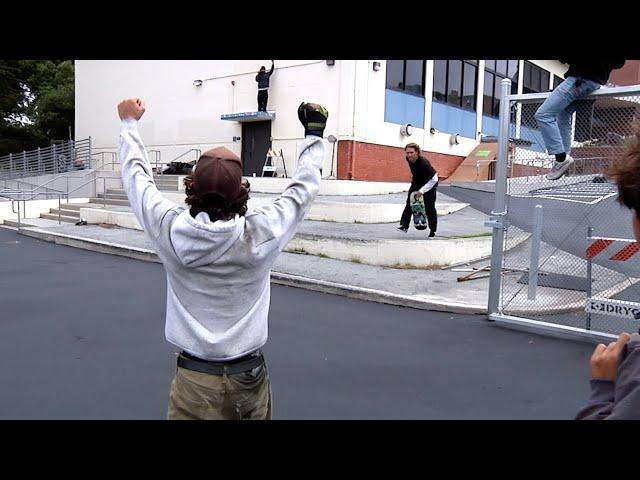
column 37, row 103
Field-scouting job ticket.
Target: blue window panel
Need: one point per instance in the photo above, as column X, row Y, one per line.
column 451, row 119
column 403, row 108
column 534, row 136
column 490, row 127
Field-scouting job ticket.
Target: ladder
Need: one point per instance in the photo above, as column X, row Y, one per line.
column 271, row 160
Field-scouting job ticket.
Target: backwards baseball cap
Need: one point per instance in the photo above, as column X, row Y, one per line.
column 218, row 171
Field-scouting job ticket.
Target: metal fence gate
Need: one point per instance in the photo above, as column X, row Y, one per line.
column 564, row 255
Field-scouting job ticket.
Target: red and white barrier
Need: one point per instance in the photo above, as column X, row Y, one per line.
column 630, row 248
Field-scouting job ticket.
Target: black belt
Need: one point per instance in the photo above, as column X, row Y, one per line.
column 238, row 365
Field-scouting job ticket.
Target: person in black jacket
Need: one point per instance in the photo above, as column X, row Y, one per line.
column 424, row 179
column 263, row 87
column 554, row 115
column 615, row 368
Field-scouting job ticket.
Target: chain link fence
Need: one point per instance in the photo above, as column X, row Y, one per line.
column 575, row 267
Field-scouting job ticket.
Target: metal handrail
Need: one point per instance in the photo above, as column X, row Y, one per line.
column 104, row 187
column 67, row 177
column 158, row 155
column 24, row 204
column 45, row 160
column 114, row 156
column 198, row 154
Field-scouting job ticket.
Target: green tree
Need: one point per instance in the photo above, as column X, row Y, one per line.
column 37, row 104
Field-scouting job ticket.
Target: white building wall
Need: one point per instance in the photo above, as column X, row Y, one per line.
column 370, row 124
column 181, row 116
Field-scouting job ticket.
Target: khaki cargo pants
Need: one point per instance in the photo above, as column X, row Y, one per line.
column 238, row 396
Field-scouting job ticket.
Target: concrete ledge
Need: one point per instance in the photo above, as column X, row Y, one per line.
column 394, row 253
column 343, row 212
column 121, row 219
column 435, row 253
column 375, row 295
column 91, row 244
column 330, row 187
column 320, row 211
column 276, row 277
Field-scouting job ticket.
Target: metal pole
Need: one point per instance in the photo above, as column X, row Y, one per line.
column 589, row 274
column 498, row 214
column 39, row 162
column 535, row 252
column 90, row 159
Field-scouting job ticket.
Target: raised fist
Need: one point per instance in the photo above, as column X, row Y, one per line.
column 131, row 108
column 313, row 118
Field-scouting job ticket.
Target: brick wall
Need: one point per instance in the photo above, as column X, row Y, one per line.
column 382, row 163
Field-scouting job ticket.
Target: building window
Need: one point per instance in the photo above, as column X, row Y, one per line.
column 455, row 82
column 557, row 81
column 535, row 79
column 494, row 72
column 406, row 76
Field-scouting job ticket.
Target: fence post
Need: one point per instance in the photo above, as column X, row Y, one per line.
column 499, row 213
column 535, row 252
column 589, row 276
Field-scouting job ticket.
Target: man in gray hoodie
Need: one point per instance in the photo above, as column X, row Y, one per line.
column 217, row 257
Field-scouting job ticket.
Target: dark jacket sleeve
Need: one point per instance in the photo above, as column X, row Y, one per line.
column 600, row 401
column 624, row 404
column 271, row 70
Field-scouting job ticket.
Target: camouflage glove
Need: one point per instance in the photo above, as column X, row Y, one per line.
column 313, row 118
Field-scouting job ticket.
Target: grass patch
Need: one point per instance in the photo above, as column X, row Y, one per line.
column 475, row 235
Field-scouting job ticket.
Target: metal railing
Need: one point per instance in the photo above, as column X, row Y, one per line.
column 113, row 157
column 574, row 241
column 157, row 160
column 58, row 158
column 16, row 201
column 65, row 177
column 196, row 150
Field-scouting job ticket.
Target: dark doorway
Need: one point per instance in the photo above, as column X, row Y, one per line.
column 256, row 140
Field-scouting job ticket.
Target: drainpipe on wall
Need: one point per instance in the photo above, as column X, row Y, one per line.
column 351, row 175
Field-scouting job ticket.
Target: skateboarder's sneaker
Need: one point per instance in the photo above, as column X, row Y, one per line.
column 560, row 168
column 402, row 229
column 432, row 234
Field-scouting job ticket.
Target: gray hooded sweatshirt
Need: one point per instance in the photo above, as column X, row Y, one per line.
column 218, row 273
